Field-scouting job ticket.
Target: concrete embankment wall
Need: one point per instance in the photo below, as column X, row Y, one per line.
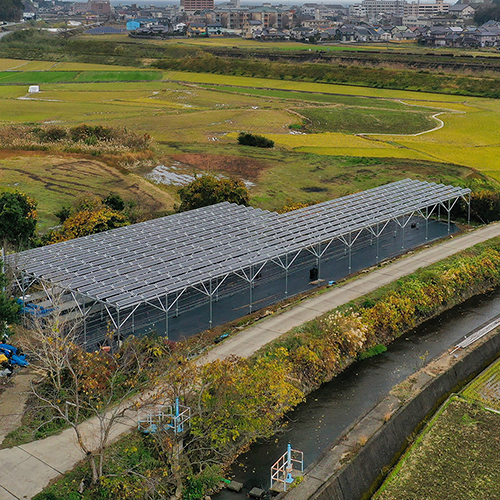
column 354, row 467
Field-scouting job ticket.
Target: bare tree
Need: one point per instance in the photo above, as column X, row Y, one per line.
column 91, row 392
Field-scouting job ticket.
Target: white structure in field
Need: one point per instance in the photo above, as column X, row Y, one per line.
column 33, row 89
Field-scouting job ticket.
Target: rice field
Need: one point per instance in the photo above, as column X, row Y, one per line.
column 203, row 113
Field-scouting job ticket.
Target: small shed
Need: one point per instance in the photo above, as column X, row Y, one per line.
column 33, row 89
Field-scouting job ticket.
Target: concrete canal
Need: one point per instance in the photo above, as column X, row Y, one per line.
column 330, row 410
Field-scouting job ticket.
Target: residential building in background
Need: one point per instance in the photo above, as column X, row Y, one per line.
column 195, row 5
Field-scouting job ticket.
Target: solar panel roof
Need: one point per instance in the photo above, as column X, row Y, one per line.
column 137, row 263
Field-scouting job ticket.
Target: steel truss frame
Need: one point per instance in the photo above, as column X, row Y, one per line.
column 145, row 263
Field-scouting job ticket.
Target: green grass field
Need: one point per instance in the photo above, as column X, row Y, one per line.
column 41, row 77
column 350, row 120
column 201, row 114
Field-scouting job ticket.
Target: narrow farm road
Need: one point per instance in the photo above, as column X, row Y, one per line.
column 25, row 470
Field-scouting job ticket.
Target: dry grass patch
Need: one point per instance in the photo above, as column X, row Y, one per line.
column 241, row 166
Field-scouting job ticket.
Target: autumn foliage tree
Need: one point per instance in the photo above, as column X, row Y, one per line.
column 89, row 216
column 240, row 401
column 209, row 190
column 103, row 386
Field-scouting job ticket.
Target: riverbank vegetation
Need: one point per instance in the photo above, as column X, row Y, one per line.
column 321, row 348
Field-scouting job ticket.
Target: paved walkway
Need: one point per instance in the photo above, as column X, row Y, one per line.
column 25, row 470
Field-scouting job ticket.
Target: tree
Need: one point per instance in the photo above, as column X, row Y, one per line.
column 9, row 308
column 87, row 221
column 11, row 10
column 77, row 385
column 115, row 202
column 241, row 400
column 18, row 219
column 208, row 190
column 487, row 12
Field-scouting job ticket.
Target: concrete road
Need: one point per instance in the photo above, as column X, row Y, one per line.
column 25, row 470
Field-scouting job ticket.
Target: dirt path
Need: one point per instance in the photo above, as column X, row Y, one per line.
column 12, row 401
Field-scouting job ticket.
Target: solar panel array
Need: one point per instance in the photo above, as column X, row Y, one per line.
column 105, row 30
column 137, row 263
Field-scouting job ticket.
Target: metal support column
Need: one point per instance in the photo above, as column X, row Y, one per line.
column 166, row 315
column 319, row 260
column 426, row 223
column 403, row 233
column 286, row 274
column 210, row 305
column 449, row 215
column 84, row 325
column 378, row 237
column 3, row 266
column 250, row 289
column 118, row 333
column 468, row 211
column 350, row 252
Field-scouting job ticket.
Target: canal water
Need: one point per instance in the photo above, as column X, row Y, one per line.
column 316, row 423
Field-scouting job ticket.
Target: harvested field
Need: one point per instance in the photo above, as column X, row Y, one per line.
column 486, row 387
column 457, row 457
column 55, row 181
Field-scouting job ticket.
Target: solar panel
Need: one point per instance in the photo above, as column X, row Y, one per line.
column 132, row 264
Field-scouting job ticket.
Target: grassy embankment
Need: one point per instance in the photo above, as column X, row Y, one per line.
column 458, row 453
column 55, row 180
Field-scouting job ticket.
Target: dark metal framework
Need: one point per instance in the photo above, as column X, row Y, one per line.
column 155, row 263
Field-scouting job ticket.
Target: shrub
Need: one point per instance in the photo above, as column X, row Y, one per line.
column 89, row 134
column 53, row 134
column 209, row 190
column 259, row 141
column 373, row 351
